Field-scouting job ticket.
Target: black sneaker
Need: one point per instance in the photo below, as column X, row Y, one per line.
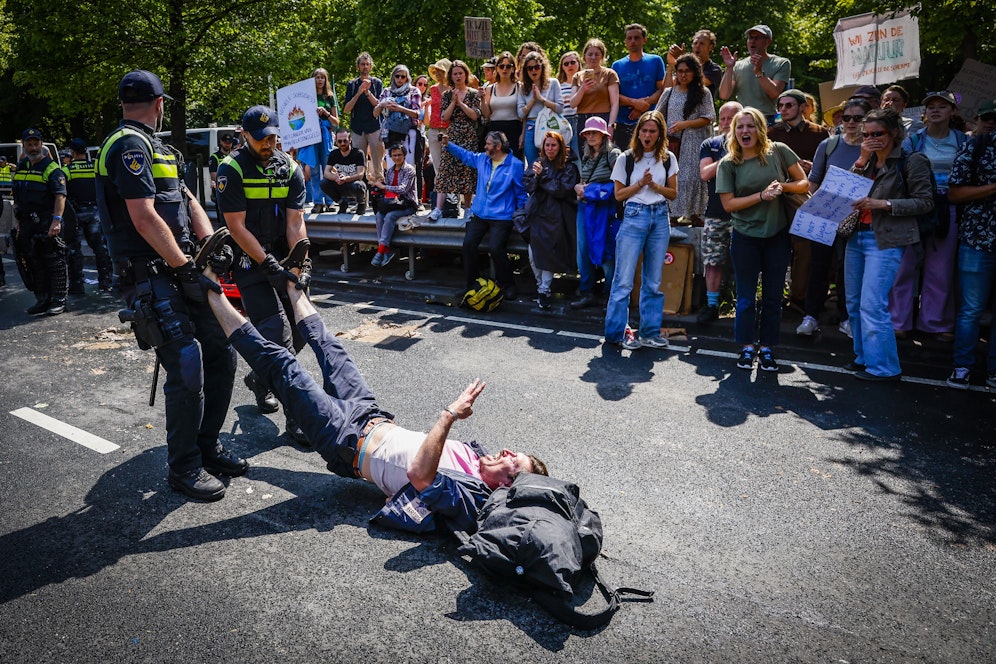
column 361, row 207
column 707, row 314
column 766, row 360
column 56, row 307
column 224, row 463
column 197, row 484
column 265, row 400
column 959, row 378
column 343, row 207
column 544, row 301
column 746, row 359
column 38, row 308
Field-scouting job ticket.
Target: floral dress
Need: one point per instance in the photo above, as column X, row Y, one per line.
column 454, row 177
column 693, row 193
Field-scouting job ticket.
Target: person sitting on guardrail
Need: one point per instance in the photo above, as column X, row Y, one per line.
column 398, row 200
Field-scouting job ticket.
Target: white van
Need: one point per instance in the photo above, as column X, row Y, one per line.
column 14, row 152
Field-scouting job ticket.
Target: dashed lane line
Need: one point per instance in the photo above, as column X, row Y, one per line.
column 84, row 438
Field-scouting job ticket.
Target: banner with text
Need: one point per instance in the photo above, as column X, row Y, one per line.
column 873, row 49
column 477, row 37
column 297, row 106
column 819, row 217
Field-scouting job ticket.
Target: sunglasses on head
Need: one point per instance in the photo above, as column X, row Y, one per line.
column 533, row 67
column 852, row 118
column 874, row 134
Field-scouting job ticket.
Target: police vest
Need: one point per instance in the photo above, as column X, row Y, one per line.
column 170, row 202
column 30, row 186
column 265, row 189
column 80, row 186
column 5, row 176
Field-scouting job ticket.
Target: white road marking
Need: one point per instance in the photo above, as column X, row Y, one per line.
column 84, row 438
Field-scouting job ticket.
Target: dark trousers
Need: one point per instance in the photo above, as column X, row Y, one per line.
column 622, row 135
column 770, row 257
column 43, row 257
column 821, row 257
column 200, row 370
column 331, row 416
column 83, row 222
column 338, row 192
column 497, row 231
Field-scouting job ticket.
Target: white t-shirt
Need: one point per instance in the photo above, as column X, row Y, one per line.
column 645, row 195
column 389, row 462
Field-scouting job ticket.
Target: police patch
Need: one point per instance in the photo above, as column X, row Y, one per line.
column 222, row 182
column 134, row 161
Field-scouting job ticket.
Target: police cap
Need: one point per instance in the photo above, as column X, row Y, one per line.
column 31, row 133
column 260, row 122
column 78, row 145
column 139, row 86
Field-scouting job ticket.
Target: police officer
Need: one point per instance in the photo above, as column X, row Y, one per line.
column 82, row 220
column 261, row 193
column 39, row 188
column 150, row 220
column 226, row 143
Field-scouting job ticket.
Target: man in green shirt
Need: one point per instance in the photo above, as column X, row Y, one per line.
column 758, row 79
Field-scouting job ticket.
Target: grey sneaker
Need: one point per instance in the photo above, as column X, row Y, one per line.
column 808, row 326
column 654, row 342
column 436, row 214
column 845, row 328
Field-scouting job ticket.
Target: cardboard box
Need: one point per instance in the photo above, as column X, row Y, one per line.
column 676, row 280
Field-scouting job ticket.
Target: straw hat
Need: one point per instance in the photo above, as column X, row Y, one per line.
column 438, row 70
column 829, row 113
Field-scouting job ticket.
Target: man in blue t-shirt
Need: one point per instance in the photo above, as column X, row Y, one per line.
column 641, row 82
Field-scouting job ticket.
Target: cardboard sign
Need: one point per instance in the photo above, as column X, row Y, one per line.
column 297, row 106
column 976, row 83
column 477, row 37
column 873, row 49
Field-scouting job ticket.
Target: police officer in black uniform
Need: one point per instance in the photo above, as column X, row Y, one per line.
column 151, row 221
column 82, row 220
column 39, row 188
column 261, row 193
column 226, row 143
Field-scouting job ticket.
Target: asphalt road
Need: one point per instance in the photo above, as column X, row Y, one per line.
column 801, row 516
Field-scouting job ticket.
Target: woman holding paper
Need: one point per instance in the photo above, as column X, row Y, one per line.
column 888, row 226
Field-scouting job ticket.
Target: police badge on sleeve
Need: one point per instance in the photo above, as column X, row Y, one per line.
column 134, row 161
column 221, row 183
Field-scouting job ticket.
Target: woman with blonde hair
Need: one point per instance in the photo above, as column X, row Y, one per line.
column 537, row 91
column 570, row 62
column 315, row 155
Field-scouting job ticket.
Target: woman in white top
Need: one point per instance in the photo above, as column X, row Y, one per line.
column 537, row 91
column 645, row 230
column 500, row 105
column 570, row 63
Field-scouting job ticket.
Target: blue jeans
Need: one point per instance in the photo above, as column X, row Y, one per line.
column 530, row 149
column 869, row 273
column 769, row 257
column 585, row 267
column 976, row 273
column 645, row 230
column 332, row 416
column 387, row 222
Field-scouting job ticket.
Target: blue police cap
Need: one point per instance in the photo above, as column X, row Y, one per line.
column 140, row 85
column 260, row 122
column 77, row 145
column 31, row 133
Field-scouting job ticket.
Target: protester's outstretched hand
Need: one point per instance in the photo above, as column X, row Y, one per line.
column 464, row 404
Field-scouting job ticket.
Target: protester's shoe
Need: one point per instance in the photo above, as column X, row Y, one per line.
column 991, row 379
column 39, row 307
column 294, row 433
column 56, row 307
column 585, row 300
column 105, row 286
column 654, row 342
column 436, row 214
column 265, row 400
column 343, row 207
column 808, row 326
column 854, row 366
column 210, row 245
column 224, row 463
column 297, row 255
column 864, row 375
column 377, row 260
column 958, row 378
column 845, row 329
column 707, row 314
column 746, row 359
column 544, row 301
column 629, row 340
column 388, row 257
column 766, row 360
column 197, row 484
column 318, row 209
column 361, row 206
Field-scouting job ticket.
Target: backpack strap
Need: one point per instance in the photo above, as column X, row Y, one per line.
column 561, row 609
column 630, row 165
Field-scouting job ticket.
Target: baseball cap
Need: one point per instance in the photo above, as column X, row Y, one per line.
column 31, row 133
column 763, row 29
column 867, row 92
column 987, row 107
column 260, row 122
column 77, row 145
column 140, row 85
column 226, row 136
column 943, row 95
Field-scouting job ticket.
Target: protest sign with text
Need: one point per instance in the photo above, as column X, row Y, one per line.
column 873, row 49
column 297, row 106
column 819, row 217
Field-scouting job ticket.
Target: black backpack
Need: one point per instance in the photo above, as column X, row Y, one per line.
column 540, row 534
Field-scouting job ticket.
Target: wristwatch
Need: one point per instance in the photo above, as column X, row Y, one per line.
column 888, row 206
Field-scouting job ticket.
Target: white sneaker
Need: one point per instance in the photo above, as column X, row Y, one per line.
column 436, row 214
column 808, row 326
column 845, row 328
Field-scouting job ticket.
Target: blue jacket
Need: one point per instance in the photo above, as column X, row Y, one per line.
column 506, row 192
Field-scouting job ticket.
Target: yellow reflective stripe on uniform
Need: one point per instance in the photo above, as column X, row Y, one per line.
column 35, row 176
column 258, row 188
column 109, row 141
column 164, row 170
column 259, row 193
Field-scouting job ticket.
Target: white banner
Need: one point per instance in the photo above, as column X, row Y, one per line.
column 297, row 106
column 819, row 217
column 873, row 49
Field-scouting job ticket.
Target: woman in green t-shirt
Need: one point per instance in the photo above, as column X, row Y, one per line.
column 750, row 181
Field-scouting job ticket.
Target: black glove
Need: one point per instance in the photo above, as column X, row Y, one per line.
column 304, row 279
column 195, row 285
column 220, row 261
column 275, row 272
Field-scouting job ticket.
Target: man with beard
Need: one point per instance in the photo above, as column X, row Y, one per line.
column 758, row 79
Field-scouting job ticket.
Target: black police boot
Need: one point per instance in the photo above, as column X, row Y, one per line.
column 224, row 463
column 39, row 307
column 294, row 433
column 197, row 484
column 265, row 400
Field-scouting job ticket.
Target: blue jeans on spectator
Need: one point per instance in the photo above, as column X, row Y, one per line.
column 530, row 149
column 770, row 257
column 645, row 230
column 869, row 273
column 976, row 274
column 387, row 222
column 585, row 267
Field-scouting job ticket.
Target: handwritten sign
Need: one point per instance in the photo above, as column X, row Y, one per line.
column 297, row 106
column 477, row 37
column 819, row 217
column 873, row 49
column 976, row 82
